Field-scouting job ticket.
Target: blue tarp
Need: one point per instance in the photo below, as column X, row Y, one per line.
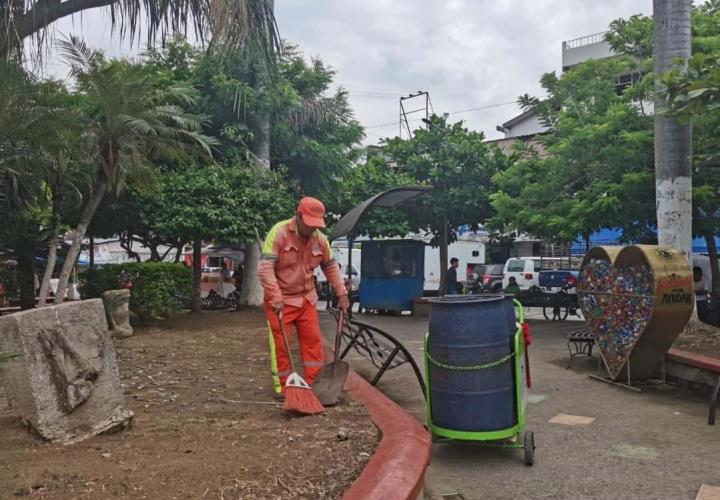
column 613, row 236
column 59, row 260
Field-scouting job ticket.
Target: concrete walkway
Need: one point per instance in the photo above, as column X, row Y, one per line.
column 650, row 445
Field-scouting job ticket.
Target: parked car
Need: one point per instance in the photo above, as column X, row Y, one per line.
column 557, row 279
column 484, row 278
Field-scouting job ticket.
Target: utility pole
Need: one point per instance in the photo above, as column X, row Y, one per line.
column 673, row 140
column 426, row 108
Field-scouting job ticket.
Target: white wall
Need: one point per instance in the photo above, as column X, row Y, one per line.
column 529, row 126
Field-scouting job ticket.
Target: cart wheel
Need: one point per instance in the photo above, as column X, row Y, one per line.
column 529, row 447
column 558, row 314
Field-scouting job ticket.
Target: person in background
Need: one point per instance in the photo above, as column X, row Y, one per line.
column 513, row 287
column 701, row 294
column 453, row 286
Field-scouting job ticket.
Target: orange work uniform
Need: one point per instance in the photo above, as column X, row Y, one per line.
column 286, row 273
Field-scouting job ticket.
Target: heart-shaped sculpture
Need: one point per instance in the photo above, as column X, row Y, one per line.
column 636, row 300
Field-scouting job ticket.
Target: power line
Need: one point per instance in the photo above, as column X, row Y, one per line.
column 479, row 108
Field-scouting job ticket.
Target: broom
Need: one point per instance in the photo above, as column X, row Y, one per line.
column 299, row 397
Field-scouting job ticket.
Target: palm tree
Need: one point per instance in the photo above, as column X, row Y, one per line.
column 130, row 121
column 673, row 140
column 235, row 22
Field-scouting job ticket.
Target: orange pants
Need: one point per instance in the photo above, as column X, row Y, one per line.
column 307, row 325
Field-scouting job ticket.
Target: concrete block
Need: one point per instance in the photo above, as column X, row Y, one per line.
column 66, row 384
column 117, row 310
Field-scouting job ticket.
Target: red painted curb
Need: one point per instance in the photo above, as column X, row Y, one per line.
column 695, row 360
column 397, row 468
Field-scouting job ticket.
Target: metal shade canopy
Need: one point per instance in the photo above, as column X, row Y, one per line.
column 390, row 198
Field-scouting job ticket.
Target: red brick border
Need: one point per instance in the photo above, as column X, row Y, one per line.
column 397, row 468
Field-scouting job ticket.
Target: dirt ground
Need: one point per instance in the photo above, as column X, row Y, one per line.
column 704, row 339
column 205, row 426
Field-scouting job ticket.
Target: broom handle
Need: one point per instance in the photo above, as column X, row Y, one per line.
column 285, row 339
column 338, row 335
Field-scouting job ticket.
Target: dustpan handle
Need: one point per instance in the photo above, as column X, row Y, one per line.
column 338, row 334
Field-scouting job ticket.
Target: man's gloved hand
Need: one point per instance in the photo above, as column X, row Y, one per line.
column 343, row 303
column 278, row 307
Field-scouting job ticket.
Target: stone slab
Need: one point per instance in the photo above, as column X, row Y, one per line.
column 634, row 452
column 708, row 492
column 66, row 383
column 564, row 419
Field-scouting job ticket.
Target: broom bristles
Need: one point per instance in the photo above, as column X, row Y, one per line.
column 302, row 401
column 300, row 398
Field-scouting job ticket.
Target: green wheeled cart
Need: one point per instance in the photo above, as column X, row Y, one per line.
column 483, row 397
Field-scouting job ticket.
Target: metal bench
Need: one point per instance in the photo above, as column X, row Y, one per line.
column 704, row 363
column 580, row 343
column 383, row 350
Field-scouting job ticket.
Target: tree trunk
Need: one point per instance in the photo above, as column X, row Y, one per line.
column 251, row 291
column 74, row 251
column 178, row 253
column 58, row 203
column 49, row 269
column 673, row 140
column 91, row 252
column 26, row 279
column 442, row 289
column 196, row 304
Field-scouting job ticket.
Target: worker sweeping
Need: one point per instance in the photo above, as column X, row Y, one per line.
column 292, row 250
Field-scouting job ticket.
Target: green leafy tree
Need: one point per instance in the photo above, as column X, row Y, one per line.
column 129, row 121
column 362, row 182
column 458, row 163
column 597, row 161
column 227, row 203
column 313, row 137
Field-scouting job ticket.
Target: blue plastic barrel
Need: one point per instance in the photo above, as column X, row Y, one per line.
column 468, row 331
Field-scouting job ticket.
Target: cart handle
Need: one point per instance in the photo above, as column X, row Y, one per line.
column 521, row 313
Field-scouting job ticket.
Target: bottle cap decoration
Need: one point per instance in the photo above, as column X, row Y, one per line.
column 636, row 300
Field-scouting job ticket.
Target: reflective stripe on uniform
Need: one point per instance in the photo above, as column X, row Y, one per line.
column 273, row 361
column 327, row 244
column 312, row 363
column 267, row 248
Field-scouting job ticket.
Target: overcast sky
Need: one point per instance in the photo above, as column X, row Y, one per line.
column 466, row 53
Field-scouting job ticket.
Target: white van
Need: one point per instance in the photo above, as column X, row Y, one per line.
column 525, row 270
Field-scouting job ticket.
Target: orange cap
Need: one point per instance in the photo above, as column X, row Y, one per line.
column 312, row 211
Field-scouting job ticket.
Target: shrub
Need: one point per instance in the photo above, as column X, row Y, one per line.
column 158, row 289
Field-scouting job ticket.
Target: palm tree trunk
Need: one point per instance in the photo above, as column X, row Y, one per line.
column 673, row 140
column 87, row 214
column 58, row 203
column 49, row 269
column 196, row 304
column 251, row 291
